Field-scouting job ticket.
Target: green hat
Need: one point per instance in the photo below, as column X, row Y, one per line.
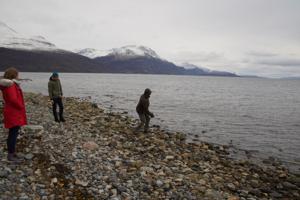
column 55, row 74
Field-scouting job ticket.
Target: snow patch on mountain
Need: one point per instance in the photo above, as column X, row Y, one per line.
column 126, row 52
column 132, row 51
column 92, row 53
column 9, row 38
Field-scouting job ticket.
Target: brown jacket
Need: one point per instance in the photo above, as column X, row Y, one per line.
column 143, row 106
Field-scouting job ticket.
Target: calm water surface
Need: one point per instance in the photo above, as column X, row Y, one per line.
column 259, row 115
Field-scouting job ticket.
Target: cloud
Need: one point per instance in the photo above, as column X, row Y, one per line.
column 196, row 57
column 260, row 54
column 270, row 64
column 271, row 59
column 289, row 62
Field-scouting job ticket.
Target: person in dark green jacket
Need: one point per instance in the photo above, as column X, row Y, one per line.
column 142, row 109
column 56, row 94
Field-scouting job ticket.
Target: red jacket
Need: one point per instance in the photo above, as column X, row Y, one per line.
column 14, row 107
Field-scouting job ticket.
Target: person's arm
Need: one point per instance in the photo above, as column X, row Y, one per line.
column 145, row 104
column 60, row 88
column 50, row 90
column 6, row 82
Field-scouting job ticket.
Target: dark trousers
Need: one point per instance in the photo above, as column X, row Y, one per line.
column 12, row 139
column 145, row 119
column 58, row 101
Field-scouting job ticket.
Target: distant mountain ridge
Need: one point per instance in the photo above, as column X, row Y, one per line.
column 126, row 52
column 36, row 54
column 141, row 59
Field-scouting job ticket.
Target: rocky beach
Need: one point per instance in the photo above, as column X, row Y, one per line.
column 97, row 155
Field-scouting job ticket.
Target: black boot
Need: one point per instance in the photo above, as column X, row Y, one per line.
column 61, row 116
column 55, row 116
column 62, row 119
column 12, row 158
column 61, row 113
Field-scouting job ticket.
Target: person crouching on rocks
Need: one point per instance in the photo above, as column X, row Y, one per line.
column 56, row 94
column 142, row 109
column 14, row 111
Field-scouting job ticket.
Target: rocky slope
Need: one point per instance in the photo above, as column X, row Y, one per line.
column 96, row 155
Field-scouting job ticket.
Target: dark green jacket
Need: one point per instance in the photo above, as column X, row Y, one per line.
column 54, row 89
column 143, row 106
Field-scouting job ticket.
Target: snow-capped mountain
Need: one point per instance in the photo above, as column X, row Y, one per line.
column 144, row 60
column 36, row 54
column 132, row 51
column 9, row 38
column 92, row 53
column 126, row 52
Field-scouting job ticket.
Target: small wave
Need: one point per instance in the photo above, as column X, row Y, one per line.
column 248, row 116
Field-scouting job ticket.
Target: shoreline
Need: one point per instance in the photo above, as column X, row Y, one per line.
column 234, row 152
column 95, row 155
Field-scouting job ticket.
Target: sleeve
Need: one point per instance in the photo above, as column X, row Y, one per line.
column 50, row 89
column 145, row 105
column 12, row 98
column 6, row 82
column 60, row 88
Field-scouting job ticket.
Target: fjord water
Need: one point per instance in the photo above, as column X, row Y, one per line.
column 255, row 114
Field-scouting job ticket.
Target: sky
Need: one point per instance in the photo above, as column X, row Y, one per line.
column 248, row 37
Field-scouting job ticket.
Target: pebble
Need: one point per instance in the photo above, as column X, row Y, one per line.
column 231, row 186
column 4, row 173
column 81, row 183
column 29, row 156
column 159, row 183
column 289, row 185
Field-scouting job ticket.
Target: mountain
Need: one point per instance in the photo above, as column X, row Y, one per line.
column 191, row 69
column 143, row 60
column 13, row 40
column 36, row 54
column 46, row 61
column 138, row 65
column 91, row 53
column 291, row 78
column 122, row 53
column 132, row 59
column 188, row 66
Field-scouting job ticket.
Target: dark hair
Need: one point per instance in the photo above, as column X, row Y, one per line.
column 11, row 73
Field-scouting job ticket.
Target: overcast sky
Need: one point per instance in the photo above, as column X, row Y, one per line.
column 259, row 37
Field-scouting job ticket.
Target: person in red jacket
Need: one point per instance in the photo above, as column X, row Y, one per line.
column 14, row 112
